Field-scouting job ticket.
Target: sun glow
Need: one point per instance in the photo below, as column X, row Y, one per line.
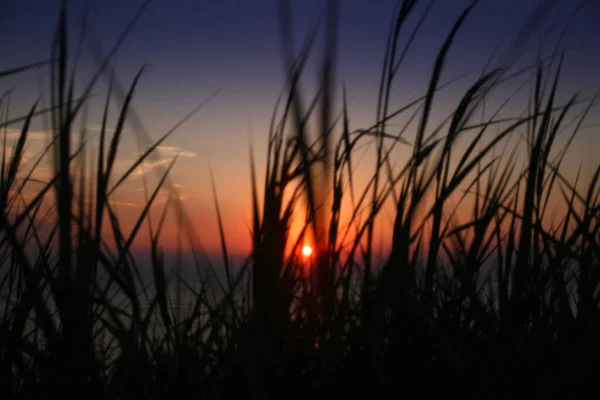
column 307, row 251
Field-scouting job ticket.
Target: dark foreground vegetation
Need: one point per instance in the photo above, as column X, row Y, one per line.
column 504, row 302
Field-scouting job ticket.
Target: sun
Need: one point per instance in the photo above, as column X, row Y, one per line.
column 307, row 251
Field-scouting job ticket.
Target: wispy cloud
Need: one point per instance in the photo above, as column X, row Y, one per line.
column 122, row 203
column 175, row 185
column 147, row 166
column 116, row 203
column 165, row 154
column 164, row 196
column 172, row 151
column 13, row 134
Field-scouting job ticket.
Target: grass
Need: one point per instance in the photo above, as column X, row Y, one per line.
column 504, row 302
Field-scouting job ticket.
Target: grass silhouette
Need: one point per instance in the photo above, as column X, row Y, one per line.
column 503, row 303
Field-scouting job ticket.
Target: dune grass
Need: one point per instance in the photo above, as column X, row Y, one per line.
column 502, row 303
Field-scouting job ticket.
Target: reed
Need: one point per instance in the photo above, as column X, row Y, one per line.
column 503, row 301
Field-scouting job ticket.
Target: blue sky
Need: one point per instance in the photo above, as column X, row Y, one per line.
column 196, row 47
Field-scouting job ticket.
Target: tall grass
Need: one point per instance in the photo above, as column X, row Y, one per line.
column 503, row 302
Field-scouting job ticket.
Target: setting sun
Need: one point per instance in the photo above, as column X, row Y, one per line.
column 307, row 251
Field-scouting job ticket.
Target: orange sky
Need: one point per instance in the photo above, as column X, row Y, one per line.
column 240, row 57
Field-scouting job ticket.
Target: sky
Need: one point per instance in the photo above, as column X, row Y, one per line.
column 196, row 48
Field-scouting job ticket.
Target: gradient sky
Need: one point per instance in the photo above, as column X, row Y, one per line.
column 197, row 47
